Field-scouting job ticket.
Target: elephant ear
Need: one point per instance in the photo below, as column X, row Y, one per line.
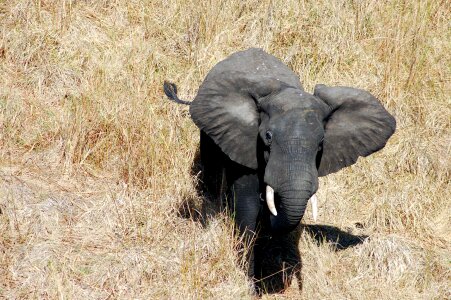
column 226, row 109
column 227, row 104
column 358, row 125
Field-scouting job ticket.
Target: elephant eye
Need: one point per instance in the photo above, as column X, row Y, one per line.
column 268, row 136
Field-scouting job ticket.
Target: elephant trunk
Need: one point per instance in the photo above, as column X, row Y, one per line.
column 294, row 179
column 291, row 210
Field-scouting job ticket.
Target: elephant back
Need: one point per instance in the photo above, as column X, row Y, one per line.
column 255, row 63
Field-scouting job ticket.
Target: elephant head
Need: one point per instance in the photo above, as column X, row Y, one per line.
column 253, row 106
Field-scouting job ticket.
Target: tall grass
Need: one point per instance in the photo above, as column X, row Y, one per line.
column 96, row 165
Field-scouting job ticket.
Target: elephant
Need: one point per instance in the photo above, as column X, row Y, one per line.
column 264, row 139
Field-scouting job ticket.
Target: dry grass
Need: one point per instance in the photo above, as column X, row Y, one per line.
column 95, row 163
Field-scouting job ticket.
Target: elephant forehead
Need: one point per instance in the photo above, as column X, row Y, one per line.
column 293, row 99
column 297, row 124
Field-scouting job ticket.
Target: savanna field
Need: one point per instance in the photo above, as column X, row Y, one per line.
column 98, row 180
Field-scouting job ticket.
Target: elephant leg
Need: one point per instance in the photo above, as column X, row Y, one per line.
column 245, row 205
column 213, row 170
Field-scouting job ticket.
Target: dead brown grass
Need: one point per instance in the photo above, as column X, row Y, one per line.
column 95, row 163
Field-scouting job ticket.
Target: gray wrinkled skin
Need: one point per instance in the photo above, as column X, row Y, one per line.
column 259, row 127
column 251, row 92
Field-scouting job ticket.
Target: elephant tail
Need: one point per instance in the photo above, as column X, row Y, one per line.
column 170, row 89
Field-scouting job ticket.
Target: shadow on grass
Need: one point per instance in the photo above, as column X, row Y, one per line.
column 341, row 240
column 191, row 209
column 277, row 262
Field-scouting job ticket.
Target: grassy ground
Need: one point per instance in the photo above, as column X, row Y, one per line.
column 95, row 164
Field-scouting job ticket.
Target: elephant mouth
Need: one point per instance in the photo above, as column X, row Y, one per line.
column 272, row 206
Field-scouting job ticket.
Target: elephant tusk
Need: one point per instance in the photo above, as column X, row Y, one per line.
column 314, row 202
column 270, row 200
